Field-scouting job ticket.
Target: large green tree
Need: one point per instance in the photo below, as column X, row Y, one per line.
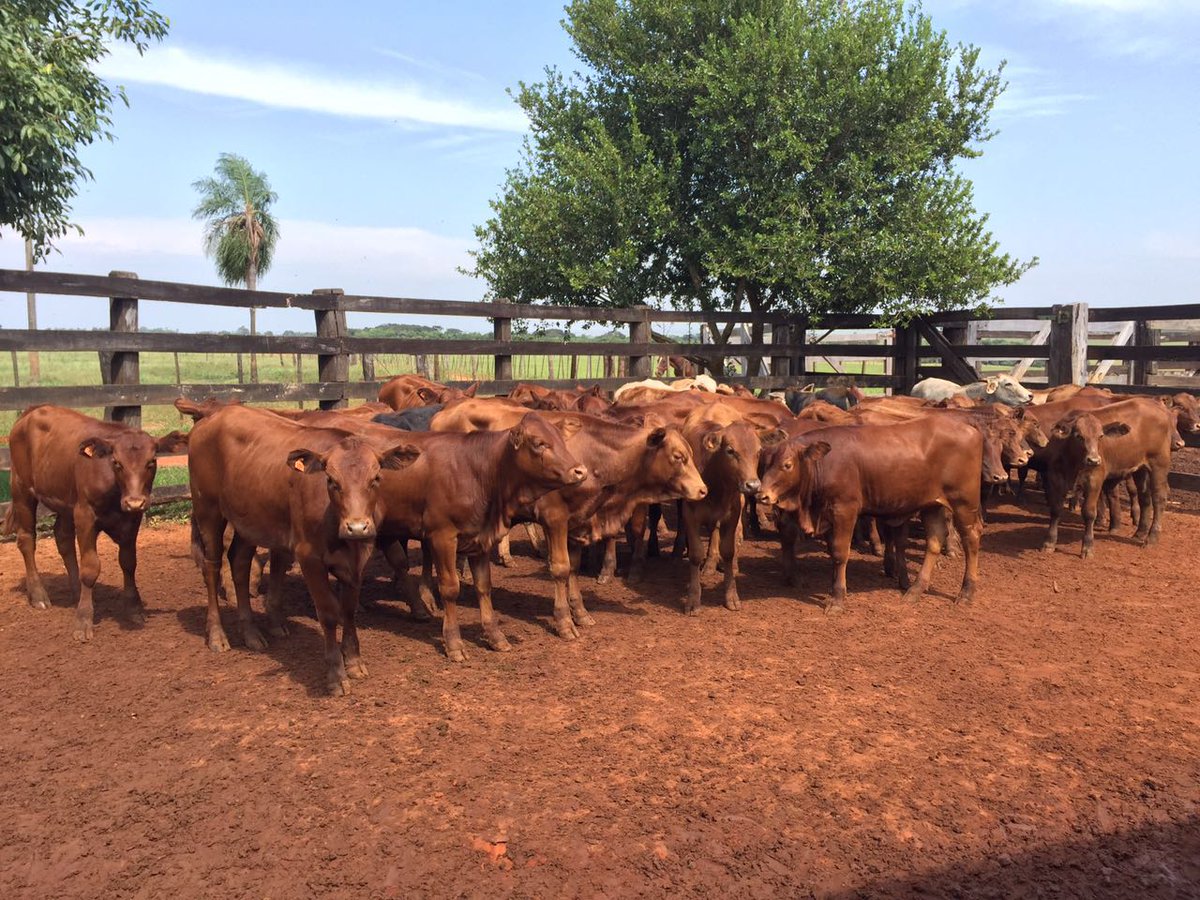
column 239, row 231
column 52, row 104
column 751, row 154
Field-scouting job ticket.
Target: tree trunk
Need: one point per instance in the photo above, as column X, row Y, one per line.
column 252, row 284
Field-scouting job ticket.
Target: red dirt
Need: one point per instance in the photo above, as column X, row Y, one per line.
column 1045, row 741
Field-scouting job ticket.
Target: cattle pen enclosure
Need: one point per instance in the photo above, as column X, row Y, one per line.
column 1042, row 742
column 1146, row 349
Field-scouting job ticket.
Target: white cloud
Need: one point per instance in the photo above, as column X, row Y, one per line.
column 287, row 86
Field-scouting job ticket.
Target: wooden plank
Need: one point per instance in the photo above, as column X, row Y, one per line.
column 1168, row 312
column 162, row 394
column 1121, row 338
column 1157, row 353
column 162, row 342
column 1039, row 340
column 169, row 493
column 1184, row 481
column 962, row 371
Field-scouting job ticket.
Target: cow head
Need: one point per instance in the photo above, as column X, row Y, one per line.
column 1084, row 433
column 128, row 457
column 670, row 465
column 539, row 451
column 791, row 478
column 1189, row 411
column 1031, row 429
column 353, row 471
column 731, row 453
column 1006, row 389
column 1177, row 441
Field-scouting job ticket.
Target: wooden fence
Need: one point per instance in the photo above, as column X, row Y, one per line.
column 783, row 350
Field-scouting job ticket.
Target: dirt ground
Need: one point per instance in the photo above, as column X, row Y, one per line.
column 1044, row 742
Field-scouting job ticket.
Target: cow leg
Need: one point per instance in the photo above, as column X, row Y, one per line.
column 241, row 555
column 1022, row 471
column 788, row 534
column 560, row 572
column 750, row 513
column 329, row 615
column 1158, row 490
column 839, row 550
column 1112, row 503
column 425, row 584
column 970, row 528
column 208, row 541
column 349, row 591
column 899, row 542
column 126, row 539
column 89, row 570
column 729, row 551
column 64, row 537
column 1145, row 504
column 889, row 551
column 608, row 568
column 281, row 561
column 689, row 527
column 481, row 571
column 574, row 595
column 654, row 516
column 1055, row 491
column 537, row 539
column 934, row 521
column 503, row 552
column 636, row 533
column 444, row 550
column 24, row 523
column 1091, row 490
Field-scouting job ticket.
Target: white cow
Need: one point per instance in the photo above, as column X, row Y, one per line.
column 997, row 388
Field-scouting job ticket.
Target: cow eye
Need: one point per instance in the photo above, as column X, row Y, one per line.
column 731, row 451
column 151, row 464
column 333, row 485
column 375, row 481
column 117, row 465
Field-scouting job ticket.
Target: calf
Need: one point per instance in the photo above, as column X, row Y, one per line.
column 261, row 474
column 96, row 477
column 405, row 391
column 830, row 476
column 1092, row 447
column 996, row 388
column 415, row 418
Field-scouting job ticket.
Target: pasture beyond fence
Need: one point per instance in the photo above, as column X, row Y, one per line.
column 1145, row 349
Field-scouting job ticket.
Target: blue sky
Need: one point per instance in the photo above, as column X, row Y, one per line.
column 386, row 128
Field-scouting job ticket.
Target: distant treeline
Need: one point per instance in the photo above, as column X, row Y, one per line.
column 436, row 332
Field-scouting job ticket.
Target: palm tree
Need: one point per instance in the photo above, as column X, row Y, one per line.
column 239, row 232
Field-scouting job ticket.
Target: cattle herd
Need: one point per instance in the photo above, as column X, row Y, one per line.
column 455, row 472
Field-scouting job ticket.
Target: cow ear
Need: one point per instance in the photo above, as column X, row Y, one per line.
column 95, row 448
column 653, row 420
column 1167, row 401
column 1115, row 429
column 772, row 437
column 428, row 396
column 1059, row 431
column 569, row 427
column 306, row 461
column 516, row 436
column 175, row 442
column 816, row 451
column 657, row 437
column 470, row 392
column 992, row 383
column 399, row 457
column 1019, row 414
column 711, row 440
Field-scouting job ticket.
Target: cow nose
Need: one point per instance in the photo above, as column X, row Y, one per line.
column 579, row 473
column 1178, row 445
column 751, row 486
column 996, row 478
column 358, row 529
column 1093, row 460
column 134, row 504
column 765, row 497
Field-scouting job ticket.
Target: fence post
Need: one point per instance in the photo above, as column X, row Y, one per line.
column 124, row 367
column 502, row 332
column 639, row 333
column 333, row 368
column 905, row 358
column 1144, row 336
column 368, row 366
column 781, row 366
column 1068, row 345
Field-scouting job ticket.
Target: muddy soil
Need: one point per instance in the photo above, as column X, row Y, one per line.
column 1044, row 742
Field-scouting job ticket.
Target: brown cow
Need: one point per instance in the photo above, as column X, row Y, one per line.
column 260, row 473
column 97, row 477
column 727, row 452
column 405, row 391
column 629, row 465
column 1090, row 447
column 830, row 476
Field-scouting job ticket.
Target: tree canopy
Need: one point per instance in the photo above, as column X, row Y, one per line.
column 239, row 231
column 52, row 104
column 751, row 154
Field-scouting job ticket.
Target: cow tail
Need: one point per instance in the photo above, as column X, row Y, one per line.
column 9, row 525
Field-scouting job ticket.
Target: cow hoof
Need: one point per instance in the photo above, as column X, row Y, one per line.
column 137, row 616
column 339, row 687
column 965, row 599
column 733, row 603
column 356, row 668
column 254, row 638
column 499, row 643
column 566, row 629
column 278, row 630
column 419, row 612
column 583, row 618
column 39, row 599
column 635, row 576
column 456, row 654
column 1047, row 548
column 835, row 608
column 217, row 641
column 1085, row 551
column 83, row 632
column 690, row 609
column 912, row 595
column 604, row 578
column 506, row 561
